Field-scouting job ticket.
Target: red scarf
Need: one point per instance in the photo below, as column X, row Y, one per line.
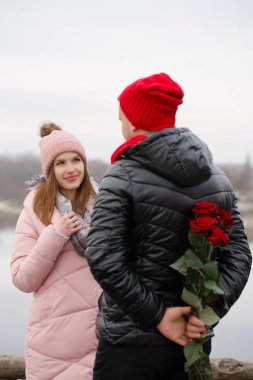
column 128, row 144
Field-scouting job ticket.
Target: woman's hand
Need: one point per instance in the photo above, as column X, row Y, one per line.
column 70, row 222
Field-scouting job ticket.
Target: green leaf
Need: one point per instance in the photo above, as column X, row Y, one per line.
column 195, row 239
column 214, row 287
column 209, row 317
column 200, row 245
column 193, row 351
column 226, row 307
column 201, row 369
column 194, row 281
column 209, row 298
column 192, row 260
column 191, row 299
column 210, row 269
column 180, row 265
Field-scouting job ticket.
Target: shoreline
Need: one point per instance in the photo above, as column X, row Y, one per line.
column 9, row 214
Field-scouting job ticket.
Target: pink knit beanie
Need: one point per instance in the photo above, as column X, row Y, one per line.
column 53, row 142
column 151, row 103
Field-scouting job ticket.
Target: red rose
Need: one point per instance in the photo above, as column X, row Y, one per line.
column 205, row 208
column 218, row 237
column 225, row 218
column 203, row 224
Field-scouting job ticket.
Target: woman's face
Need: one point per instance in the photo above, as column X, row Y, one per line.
column 69, row 173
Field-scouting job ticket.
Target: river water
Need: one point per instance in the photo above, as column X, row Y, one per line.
column 233, row 336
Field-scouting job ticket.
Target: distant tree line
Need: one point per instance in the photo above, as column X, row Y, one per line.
column 16, row 170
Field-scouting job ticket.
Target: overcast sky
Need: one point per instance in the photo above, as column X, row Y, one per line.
column 68, row 60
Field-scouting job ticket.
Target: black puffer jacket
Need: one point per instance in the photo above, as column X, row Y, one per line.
column 140, row 225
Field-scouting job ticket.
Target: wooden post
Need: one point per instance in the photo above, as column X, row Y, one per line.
column 12, row 367
column 231, row 369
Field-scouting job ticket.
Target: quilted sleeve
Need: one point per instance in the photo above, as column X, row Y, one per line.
column 108, row 248
column 234, row 265
column 34, row 256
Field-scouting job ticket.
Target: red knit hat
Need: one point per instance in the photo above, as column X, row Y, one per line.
column 151, row 103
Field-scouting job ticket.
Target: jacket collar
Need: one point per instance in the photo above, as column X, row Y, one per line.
column 119, row 152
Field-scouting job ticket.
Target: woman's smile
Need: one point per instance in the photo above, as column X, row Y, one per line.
column 71, row 177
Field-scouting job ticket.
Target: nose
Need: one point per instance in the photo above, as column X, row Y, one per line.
column 70, row 168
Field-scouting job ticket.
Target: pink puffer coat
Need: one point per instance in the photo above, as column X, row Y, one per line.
column 61, row 342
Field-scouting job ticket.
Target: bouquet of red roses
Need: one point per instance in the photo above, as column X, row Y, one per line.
column 199, row 271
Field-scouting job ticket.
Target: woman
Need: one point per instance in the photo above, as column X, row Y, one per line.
column 49, row 260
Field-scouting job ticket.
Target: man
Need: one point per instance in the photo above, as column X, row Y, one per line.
column 139, row 228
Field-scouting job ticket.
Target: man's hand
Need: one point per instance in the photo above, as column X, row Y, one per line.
column 173, row 325
column 195, row 327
